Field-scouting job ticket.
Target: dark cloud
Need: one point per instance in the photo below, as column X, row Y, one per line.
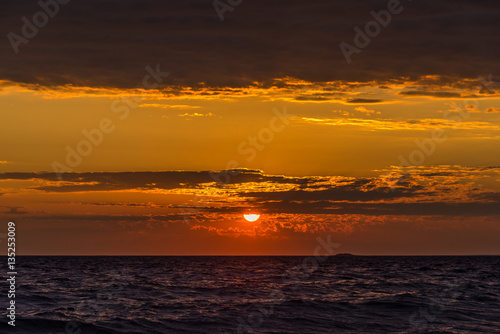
column 423, row 192
column 363, row 101
column 433, row 94
column 106, row 218
column 312, row 98
column 100, row 181
column 107, row 181
column 109, row 43
column 378, row 209
column 16, row 210
column 492, row 109
column 350, row 192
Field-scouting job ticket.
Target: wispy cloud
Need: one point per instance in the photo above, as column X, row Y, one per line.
column 196, row 115
column 168, row 106
column 385, row 124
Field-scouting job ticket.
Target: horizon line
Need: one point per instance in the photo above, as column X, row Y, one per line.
column 234, row 255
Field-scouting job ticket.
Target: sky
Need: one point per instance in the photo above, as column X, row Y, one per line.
column 153, row 127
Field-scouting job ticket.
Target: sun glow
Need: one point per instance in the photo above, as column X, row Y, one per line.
column 251, row 217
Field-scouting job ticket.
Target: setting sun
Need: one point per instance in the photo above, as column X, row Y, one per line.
column 251, row 217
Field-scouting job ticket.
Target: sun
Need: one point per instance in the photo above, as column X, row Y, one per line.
column 251, row 217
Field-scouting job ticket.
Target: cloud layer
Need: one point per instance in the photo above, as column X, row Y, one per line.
column 96, row 43
column 440, row 190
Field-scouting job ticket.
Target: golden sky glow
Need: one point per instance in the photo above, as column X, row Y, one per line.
column 164, row 125
column 159, row 138
column 327, row 169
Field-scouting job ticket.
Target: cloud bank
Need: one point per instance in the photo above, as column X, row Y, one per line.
column 259, row 41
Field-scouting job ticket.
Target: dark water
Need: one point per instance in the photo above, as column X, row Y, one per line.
column 257, row 294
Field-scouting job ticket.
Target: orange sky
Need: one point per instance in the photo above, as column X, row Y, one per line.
column 314, row 167
column 158, row 140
